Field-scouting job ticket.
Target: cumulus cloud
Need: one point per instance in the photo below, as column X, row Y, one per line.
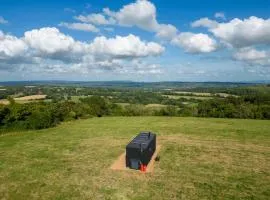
column 109, row 29
column 220, row 15
column 80, row 26
column 90, row 65
column 250, row 54
column 50, row 40
column 242, row 33
column 11, row 46
column 123, row 47
column 166, row 31
column 253, row 56
column 195, row 43
column 149, row 69
column 95, row 18
column 205, row 22
column 238, row 33
column 142, row 14
column 52, row 51
column 2, row 20
column 140, row 67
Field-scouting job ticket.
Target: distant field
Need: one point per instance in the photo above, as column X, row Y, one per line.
column 152, row 105
column 199, row 159
column 4, row 101
column 77, row 98
column 155, row 105
column 226, row 95
column 194, row 93
column 24, row 99
column 188, row 97
column 31, row 97
column 123, row 104
column 197, row 95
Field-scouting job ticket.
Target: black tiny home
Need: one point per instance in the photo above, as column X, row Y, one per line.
column 140, row 150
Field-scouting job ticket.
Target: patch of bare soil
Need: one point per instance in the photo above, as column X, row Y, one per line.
column 120, row 163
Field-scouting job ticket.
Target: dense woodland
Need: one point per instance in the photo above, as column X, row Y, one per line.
column 65, row 103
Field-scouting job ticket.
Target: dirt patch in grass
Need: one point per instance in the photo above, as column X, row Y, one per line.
column 120, row 163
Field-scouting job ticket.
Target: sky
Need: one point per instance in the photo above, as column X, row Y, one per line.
column 139, row 40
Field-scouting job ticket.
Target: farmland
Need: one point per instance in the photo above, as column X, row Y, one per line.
column 48, row 105
column 24, row 99
column 200, row 159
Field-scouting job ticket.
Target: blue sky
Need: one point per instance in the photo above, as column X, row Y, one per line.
column 135, row 40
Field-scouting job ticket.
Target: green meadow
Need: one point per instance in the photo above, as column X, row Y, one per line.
column 200, row 158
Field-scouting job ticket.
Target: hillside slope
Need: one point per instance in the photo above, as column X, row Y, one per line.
column 200, row 159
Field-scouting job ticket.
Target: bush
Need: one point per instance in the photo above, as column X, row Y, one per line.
column 40, row 120
column 98, row 106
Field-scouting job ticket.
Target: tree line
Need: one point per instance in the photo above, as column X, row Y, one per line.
column 39, row 115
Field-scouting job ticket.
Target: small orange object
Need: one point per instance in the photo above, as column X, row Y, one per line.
column 144, row 168
column 141, row 167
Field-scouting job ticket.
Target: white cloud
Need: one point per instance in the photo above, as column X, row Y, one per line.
column 243, row 33
column 11, row 46
column 140, row 67
column 2, row 20
column 109, row 29
column 239, row 33
column 50, row 51
column 190, row 71
column 250, row 54
column 149, row 69
column 220, row 15
column 80, row 26
column 95, row 18
column 205, row 22
column 253, row 56
column 166, row 31
column 50, row 40
column 142, row 14
column 195, row 43
column 123, row 47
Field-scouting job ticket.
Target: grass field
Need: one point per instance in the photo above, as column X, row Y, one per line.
column 194, row 93
column 188, row 97
column 24, row 99
column 200, row 159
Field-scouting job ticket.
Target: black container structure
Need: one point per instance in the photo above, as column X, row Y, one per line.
column 140, row 150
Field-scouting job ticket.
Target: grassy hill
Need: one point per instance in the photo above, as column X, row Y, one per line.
column 200, row 159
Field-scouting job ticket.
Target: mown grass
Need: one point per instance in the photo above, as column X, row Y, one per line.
column 200, row 159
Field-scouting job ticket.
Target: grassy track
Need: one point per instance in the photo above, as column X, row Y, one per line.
column 200, row 159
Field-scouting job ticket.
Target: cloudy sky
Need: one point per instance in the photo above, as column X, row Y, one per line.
column 139, row 40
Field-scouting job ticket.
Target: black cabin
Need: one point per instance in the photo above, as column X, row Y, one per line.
column 140, row 150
